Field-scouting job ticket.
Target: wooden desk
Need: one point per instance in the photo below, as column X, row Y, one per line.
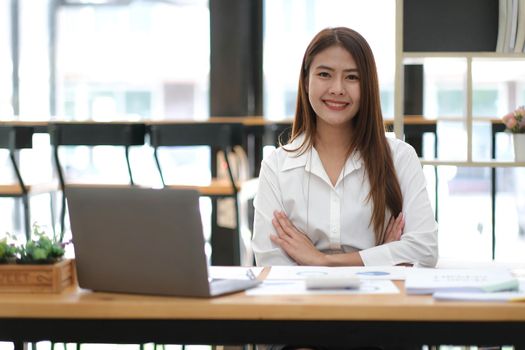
column 396, row 319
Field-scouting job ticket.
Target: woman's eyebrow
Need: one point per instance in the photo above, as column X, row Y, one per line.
column 332, row 69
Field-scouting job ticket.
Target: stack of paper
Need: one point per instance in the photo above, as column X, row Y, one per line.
column 312, row 280
column 496, row 296
column 464, row 284
column 363, row 272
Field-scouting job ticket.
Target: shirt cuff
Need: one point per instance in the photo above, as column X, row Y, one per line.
column 377, row 256
column 273, row 257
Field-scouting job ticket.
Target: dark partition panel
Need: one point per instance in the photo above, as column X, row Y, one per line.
column 236, row 57
column 450, row 25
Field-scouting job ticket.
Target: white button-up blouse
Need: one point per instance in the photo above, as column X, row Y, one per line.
column 337, row 218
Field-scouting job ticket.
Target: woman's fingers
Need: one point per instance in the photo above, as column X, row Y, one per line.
column 285, row 223
column 277, row 240
column 294, row 242
column 280, row 230
column 394, row 229
column 399, row 225
column 285, row 230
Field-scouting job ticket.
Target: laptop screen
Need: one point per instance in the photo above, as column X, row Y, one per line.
column 138, row 240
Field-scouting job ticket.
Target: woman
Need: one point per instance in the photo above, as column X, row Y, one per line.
column 341, row 193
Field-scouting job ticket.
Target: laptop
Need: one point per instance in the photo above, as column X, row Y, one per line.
column 140, row 240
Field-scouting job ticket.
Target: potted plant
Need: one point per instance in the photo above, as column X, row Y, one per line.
column 8, row 251
column 43, row 250
column 36, row 266
column 515, row 123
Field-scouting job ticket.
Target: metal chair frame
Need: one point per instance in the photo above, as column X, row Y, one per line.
column 218, row 136
column 92, row 134
column 15, row 138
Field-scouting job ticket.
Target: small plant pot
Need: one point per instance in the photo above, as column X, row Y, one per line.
column 37, row 278
column 519, row 147
column 8, row 260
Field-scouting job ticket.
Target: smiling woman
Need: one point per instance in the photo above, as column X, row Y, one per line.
column 333, row 87
column 340, row 193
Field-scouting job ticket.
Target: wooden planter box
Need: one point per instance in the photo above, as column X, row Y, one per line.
column 51, row 278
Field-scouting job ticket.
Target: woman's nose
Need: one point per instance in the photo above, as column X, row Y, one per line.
column 337, row 87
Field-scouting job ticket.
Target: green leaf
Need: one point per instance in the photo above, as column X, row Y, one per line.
column 40, row 254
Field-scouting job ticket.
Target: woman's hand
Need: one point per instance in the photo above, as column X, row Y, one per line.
column 394, row 229
column 294, row 242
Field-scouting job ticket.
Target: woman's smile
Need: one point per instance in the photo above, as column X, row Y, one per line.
column 334, row 86
column 336, row 105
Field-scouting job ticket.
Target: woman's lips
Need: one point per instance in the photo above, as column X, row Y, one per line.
column 335, row 105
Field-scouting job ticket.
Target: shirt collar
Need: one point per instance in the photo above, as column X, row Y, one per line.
column 295, row 159
column 310, row 159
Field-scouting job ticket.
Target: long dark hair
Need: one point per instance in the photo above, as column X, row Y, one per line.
column 368, row 136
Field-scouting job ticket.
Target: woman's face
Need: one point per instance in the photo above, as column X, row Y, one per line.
column 333, row 86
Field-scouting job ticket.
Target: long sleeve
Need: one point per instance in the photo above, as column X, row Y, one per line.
column 267, row 200
column 419, row 242
column 337, row 218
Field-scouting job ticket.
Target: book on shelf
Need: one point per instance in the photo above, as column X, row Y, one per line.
column 502, row 21
column 520, row 30
column 513, row 23
column 511, row 26
column 430, row 281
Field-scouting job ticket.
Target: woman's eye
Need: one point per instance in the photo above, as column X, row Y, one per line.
column 352, row 77
column 323, row 74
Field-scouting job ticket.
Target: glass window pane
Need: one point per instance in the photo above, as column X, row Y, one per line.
column 481, row 141
column 510, row 209
column 444, row 87
column 6, row 68
column 291, row 24
column 450, row 102
column 498, row 86
column 444, row 99
column 34, row 59
column 485, row 101
column 134, row 61
column 452, row 140
column 464, row 213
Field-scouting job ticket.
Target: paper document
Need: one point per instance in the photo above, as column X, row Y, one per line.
column 484, row 296
column 233, row 272
column 363, row 272
column 429, row 281
column 297, row 287
column 499, row 296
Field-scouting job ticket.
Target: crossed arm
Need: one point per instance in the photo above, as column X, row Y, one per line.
column 301, row 249
column 277, row 240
